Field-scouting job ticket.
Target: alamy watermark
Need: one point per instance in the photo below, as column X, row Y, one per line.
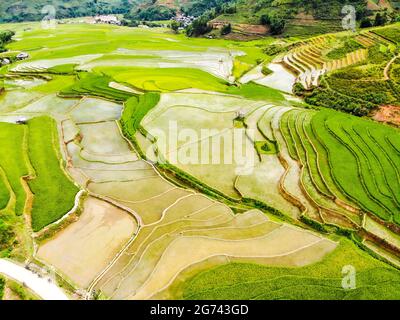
column 49, row 19
column 349, row 277
column 349, row 21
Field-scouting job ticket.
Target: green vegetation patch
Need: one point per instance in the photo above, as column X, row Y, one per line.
column 348, row 46
column 323, row 280
column 360, row 162
column 356, row 97
column 255, row 91
column 7, row 235
column 348, row 158
column 136, row 109
column 5, row 37
column 165, row 79
column 90, row 84
column 391, row 33
column 56, row 84
column 266, row 71
column 28, row 10
column 20, row 292
column 266, row 147
column 2, row 285
column 54, row 193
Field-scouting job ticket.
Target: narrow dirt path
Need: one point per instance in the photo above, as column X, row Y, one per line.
column 386, row 74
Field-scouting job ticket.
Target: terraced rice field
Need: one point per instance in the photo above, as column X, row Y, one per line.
column 107, row 177
column 168, row 217
column 30, row 165
column 319, row 282
column 85, row 248
column 330, row 168
column 309, row 60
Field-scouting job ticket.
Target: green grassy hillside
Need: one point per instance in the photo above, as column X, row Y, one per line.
column 290, row 17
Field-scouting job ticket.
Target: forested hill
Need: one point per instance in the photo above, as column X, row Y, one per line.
column 31, row 10
column 288, row 17
column 237, row 11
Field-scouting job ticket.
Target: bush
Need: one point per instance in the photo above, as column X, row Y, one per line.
column 7, row 236
column 313, row 224
column 298, row 89
column 275, row 21
column 380, row 19
column 175, row 25
column 199, row 26
column 5, row 37
column 229, row 8
column 91, row 84
column 152, row 13
column 366, row 23
column 274, row 49
column 226, row 29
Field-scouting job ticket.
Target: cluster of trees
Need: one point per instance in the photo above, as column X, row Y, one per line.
column 381, row 19
column 205, row 11
column 199, row 7
column 275, row 21
column 152, row 13
column 5, row 37
column 226, row 29
column 175, row 25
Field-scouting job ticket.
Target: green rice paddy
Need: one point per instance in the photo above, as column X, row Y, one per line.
column 53, row 192
column 321, row 281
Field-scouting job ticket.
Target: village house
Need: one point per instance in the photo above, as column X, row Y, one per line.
column 107, row 19
column 218, row 25
column 185, row 21
column 4, row 62
column 22, row 56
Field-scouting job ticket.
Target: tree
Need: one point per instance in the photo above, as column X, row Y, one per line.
column 380, row 19
column 277, row 24
column 200, row 26
column 266, row 71
column 175, row 25
column 298, row 89
column 6, row 36
column 264, row 20
column 152, row 13
column 366, row 23
column 226, row 29
column 7, row 236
